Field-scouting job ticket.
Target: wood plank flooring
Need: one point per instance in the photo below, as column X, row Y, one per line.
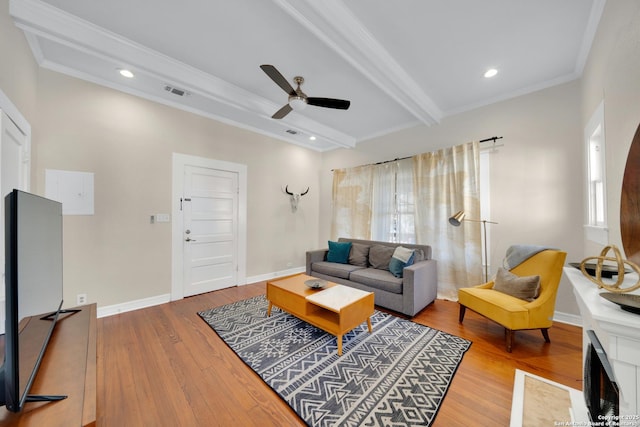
column 164, row 366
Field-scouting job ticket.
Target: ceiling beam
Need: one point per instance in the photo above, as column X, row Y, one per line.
column 41, row 20
column 334, row 24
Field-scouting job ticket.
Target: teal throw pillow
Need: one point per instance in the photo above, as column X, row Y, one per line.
column 339, row 252
column 402, row 257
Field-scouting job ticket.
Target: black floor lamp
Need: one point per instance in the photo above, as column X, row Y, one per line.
column 457, row 219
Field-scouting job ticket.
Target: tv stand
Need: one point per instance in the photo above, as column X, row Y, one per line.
column 44, row 398
column 60, row 313
column 68, row 366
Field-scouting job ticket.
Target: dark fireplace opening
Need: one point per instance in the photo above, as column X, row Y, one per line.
column 601, row 391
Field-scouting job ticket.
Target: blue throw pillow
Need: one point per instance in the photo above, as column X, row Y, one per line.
column 339, row 252
column 402, row 257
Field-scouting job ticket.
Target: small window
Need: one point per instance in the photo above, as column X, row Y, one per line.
column 596, row 227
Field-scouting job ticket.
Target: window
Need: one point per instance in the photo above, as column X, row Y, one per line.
column 392, row 200
column 596, row 215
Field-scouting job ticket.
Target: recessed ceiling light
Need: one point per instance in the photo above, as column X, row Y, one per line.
column 490, row 73
column 313, row 138
column 126, row 73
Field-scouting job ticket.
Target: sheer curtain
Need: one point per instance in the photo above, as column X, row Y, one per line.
column 352, row 197
column 447, row 181
column 392, row 202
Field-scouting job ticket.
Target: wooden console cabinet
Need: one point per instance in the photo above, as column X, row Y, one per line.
column 68, row 368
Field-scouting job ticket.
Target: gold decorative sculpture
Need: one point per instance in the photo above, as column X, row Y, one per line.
column 615, row 287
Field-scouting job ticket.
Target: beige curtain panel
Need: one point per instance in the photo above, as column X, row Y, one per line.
column 447, row 181
column 444, row 182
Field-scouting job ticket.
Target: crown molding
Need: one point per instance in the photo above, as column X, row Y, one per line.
column 514, row 94
column 589, row 35
column 40, row 20
column 333, row 23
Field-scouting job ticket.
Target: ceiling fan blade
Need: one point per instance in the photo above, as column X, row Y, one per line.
column 340, row 104
column 275, row 75
column 282, row 112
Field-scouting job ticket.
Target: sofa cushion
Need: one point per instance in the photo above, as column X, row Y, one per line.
column 401, row 258
column 359, row 255
column 334, row 269
column 418, row 255
column 523, row 287
column 376, row 278
column 339, row 252
column 379, row 256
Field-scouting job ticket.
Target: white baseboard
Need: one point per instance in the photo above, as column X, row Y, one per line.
column 571, row 319
column 269, row 276
column 110, row 310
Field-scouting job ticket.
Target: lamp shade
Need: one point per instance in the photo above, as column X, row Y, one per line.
column 457, row 218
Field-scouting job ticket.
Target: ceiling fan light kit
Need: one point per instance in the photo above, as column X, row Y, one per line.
column 298, row 103
column 298, row 100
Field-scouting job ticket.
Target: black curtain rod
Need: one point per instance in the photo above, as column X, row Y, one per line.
column 493, row 138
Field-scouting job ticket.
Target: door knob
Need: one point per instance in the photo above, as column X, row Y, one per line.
column 189, row 239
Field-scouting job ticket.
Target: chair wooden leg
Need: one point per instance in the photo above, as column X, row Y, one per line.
column 462, row 311
column 509, row 336
column 545, row 334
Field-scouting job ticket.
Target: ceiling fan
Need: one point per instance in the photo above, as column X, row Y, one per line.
column 298, row 100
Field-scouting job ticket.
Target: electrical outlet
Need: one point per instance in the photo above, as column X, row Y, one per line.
column 81, row 299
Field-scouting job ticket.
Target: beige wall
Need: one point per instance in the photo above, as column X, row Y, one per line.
column 612, row 74
column 18, row 70
column 535, row 176
column 117, row 255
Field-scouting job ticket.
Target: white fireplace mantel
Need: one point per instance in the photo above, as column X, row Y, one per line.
column 617, row 330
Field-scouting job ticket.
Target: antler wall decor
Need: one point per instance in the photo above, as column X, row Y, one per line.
column 294, row 198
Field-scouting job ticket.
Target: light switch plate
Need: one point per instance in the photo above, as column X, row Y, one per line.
column 162, row 217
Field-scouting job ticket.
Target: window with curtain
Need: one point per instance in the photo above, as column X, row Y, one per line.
column 447, row 181
column 392, row 202
column 410, row 201
column 351, row 202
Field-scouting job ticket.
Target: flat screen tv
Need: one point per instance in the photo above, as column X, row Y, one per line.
column 33, row 284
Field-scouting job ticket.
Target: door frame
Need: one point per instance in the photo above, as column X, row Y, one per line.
column 179, row 162
column 24, row 127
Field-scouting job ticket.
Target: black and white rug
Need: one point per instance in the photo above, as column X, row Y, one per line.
column 397, row 375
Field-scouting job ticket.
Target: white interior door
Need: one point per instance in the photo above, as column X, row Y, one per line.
column 210, row 224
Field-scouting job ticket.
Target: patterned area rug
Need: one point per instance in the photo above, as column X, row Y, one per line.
column 397, row 375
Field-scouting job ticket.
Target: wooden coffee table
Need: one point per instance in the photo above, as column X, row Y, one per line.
column 336, row 309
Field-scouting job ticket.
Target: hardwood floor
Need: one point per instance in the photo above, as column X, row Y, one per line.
column 164, row 366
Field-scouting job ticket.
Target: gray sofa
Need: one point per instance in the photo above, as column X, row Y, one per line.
column 408, row 294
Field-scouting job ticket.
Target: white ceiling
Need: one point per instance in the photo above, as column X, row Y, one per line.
column 400, row 63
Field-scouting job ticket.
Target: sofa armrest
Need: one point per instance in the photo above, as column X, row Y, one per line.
column 315, row 256
column 420, row 285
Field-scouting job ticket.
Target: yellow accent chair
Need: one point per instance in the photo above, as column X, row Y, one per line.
column 514, row 313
